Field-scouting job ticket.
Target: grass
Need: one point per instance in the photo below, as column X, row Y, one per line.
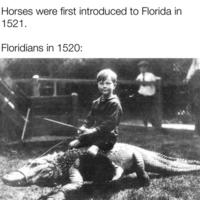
column 174, row 143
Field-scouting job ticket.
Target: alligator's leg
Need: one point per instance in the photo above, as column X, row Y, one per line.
column 138, row 164
column 76, row 182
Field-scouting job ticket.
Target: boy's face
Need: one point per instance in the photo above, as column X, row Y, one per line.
column 106, row 87
column 143, row 68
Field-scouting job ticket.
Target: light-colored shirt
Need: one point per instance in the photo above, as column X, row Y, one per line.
column 147, row 90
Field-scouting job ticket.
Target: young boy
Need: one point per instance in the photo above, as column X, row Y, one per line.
column 100, row 129
column 147, row 95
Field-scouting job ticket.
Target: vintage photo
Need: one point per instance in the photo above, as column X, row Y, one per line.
column 99, row 129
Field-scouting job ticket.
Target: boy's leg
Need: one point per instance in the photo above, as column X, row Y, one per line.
column 106, row 142
column 82, row 141
column 97, row 141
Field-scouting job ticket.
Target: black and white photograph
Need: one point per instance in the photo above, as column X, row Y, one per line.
column 99, row 128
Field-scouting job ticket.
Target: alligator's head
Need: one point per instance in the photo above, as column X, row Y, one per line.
column 53, row 169
column 41, row 171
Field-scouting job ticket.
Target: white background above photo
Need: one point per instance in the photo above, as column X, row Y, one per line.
column 141, row 36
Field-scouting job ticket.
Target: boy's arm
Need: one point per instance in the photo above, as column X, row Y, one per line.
column 89, row 121
column 111, row 120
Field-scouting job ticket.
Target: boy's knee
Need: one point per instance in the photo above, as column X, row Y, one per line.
column 93, row 150
column 74, row 144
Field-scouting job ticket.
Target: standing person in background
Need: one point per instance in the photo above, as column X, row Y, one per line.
column 147, row 95
column 193, row 80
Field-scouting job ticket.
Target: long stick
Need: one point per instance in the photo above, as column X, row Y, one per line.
column 53, row 147
column 25, row 124
column 60, row 123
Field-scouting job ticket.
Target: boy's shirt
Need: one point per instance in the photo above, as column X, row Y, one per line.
column 105, row 115
column 147, row 90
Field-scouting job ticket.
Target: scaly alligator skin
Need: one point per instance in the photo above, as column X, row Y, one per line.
column 73, row 167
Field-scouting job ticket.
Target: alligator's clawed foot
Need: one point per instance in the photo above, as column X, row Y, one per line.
column 145, row 180
column 57, row 196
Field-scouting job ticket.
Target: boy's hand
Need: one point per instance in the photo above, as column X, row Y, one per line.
column 88, row 131
column 81, row 130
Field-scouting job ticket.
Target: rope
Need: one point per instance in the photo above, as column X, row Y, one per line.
column 53, row 147
column 56, row 145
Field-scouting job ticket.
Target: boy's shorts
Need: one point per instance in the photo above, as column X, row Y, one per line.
column 105, row 142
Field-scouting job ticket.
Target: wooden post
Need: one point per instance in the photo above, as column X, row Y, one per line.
column 74, row 108
column 36, row 86
column 159, row 99
column 55, row 88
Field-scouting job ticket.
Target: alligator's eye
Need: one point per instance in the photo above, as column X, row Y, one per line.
column 29, row 162
column 34, row 164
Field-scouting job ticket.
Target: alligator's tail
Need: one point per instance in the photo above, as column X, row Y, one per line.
column 169, row 165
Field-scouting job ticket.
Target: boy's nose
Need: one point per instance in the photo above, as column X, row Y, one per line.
column 104, row 85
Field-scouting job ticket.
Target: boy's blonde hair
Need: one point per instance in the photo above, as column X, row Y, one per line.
column 105, row 73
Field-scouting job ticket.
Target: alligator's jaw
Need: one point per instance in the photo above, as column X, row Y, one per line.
column 14, row 179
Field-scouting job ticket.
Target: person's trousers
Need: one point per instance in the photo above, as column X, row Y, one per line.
column 149, row 110
column 105, row 141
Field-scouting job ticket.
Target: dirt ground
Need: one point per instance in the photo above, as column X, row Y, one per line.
column 175, row 143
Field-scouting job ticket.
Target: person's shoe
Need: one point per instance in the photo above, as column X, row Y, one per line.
column 118, row 172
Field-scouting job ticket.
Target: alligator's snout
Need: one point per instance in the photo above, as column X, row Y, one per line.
column 14, row 179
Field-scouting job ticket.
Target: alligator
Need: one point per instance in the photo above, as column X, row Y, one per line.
column 73, row 168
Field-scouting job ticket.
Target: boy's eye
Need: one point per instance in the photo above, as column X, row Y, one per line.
column 108, row 83
column 100, row 83
column 34, row 164
column 105, row 83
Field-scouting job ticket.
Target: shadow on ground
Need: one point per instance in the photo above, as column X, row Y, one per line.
column 106, row 190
